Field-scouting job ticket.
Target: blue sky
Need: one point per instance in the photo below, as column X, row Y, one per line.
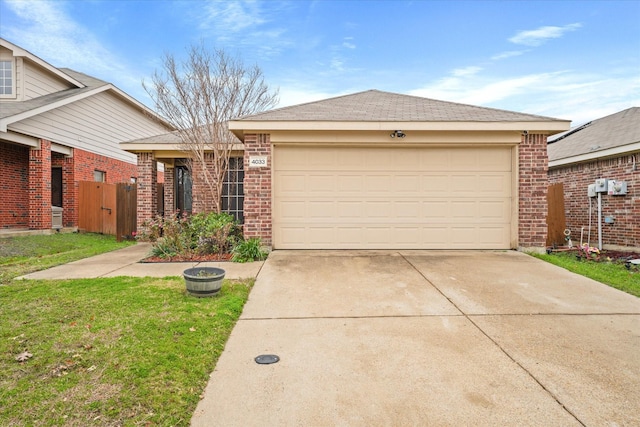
column 577, row 60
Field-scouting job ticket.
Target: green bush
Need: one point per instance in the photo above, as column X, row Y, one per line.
column 185, row 236
column 249, row 250
column 214, row 233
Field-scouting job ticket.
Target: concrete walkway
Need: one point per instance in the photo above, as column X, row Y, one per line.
column 427, row 338
column 124, row 262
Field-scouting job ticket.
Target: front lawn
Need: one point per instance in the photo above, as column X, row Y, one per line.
column 610, row 273
column 26, row 254
column 111, row 351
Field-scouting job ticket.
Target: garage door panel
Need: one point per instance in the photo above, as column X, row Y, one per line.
column 371, row 198
column 350, row 183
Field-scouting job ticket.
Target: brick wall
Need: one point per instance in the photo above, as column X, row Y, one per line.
column 80, row 167
column 625, row 230
column 257, row 189
column 204, row 194
column 14, row 186
column 532, row 200
column 147, row 188
column 40, row 186
column 25, row 182
column 169, row 190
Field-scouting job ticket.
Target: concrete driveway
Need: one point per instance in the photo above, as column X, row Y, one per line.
column 427, row 338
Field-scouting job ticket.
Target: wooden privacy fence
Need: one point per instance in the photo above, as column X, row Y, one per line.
column 108, row 208
column 556, row 222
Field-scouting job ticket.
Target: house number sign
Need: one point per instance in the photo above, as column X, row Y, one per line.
column 257, row 161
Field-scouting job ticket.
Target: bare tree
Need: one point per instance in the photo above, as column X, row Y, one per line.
column 199, row 96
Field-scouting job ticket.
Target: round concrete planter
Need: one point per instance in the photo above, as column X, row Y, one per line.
column 203, row 281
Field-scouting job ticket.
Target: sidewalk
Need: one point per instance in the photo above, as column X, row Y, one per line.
column 124, row 262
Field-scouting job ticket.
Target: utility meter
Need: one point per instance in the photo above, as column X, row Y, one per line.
column 591, row 192
column 601, row 185
column 617, row 188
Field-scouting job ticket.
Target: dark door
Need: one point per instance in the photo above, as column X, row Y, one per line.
column 183, row 189
column 56, row 187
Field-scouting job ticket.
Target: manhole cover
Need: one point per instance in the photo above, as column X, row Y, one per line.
column 267, row 359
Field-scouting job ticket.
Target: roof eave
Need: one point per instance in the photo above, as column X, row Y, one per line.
column 4, row 122
column 582, row 158
column 240, row 127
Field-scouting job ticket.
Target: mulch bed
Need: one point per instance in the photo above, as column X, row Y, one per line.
column 193, row 258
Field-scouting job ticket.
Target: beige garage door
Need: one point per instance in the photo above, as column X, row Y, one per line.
column 392, row 198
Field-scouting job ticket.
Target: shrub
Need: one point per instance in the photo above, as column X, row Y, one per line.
column 200, row 234
column 214, row 233
column 249, row 250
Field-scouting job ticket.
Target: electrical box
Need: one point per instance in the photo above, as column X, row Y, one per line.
column 591, row 191
column 601, row 185
column 617, row 188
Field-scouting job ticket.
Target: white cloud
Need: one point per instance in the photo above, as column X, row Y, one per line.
column 508, row 54
column 563, row 94
column 467, row 71
column 58, row 38
column 540, row 35
column 231, row 16
column 348, row 43
column 242, row 24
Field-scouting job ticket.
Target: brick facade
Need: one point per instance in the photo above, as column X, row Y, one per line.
column 532, row 181
column 14, row 186
column 203, row 196
column 257, row 189
column 625, row 229
column 147, row 189
column 26, row 182
column 532, row 191
column 169, row 190
column 40, row 186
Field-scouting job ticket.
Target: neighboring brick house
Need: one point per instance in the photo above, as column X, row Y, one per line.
column 606, row 148
column 379, row 170
column 59, row 127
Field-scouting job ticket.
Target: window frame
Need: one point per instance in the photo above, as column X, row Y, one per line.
column 12, row 69
column 232, row 198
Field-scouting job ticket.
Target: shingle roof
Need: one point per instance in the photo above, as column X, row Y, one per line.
column 379, row 106
column 616, row 130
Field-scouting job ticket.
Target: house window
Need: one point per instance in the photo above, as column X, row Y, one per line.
column 99, row 176
column 183, row 184
column 233, row 189
column 7, row 81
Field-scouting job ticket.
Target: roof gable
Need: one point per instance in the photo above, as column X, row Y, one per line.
column 374, row 110
column 614, row 134
column 379, row 106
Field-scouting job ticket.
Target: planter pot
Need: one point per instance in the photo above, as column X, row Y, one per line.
column 203, row 281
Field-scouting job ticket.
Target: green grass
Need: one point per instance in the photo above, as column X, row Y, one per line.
column 116, row 351
column 26, row 254
column 613, row 274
